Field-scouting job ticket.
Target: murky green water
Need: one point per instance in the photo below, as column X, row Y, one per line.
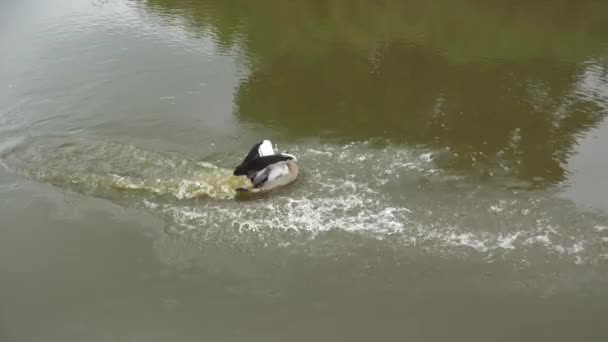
column 453, row 154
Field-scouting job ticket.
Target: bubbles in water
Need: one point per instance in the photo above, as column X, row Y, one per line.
column 390, row 193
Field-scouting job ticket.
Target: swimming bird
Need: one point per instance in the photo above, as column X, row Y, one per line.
column 266, row 169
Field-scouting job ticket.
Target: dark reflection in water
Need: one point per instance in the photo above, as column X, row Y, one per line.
column 503, row 87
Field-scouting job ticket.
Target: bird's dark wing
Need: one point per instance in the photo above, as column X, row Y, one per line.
column 257, row 164
column 253, row 153
column 261, row 149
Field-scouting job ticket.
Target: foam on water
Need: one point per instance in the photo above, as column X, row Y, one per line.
column 388, row 193
column 394, row 196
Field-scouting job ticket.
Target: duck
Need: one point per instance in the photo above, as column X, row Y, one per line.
column 266, row 169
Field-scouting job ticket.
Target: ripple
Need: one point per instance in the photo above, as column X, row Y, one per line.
column 113, row 170
column 390, row 193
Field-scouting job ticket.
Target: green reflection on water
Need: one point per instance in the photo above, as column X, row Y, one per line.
column 501, row 85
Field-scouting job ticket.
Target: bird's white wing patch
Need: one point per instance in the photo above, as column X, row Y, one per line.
column 265, row 149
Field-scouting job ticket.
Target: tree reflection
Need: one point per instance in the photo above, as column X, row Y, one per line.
column 498, row 83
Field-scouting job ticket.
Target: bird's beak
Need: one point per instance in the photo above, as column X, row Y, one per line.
column 290, row 155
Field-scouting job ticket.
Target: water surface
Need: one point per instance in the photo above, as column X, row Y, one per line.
column 452, row 154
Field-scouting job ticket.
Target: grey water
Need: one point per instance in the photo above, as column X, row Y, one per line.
column 453, row 156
